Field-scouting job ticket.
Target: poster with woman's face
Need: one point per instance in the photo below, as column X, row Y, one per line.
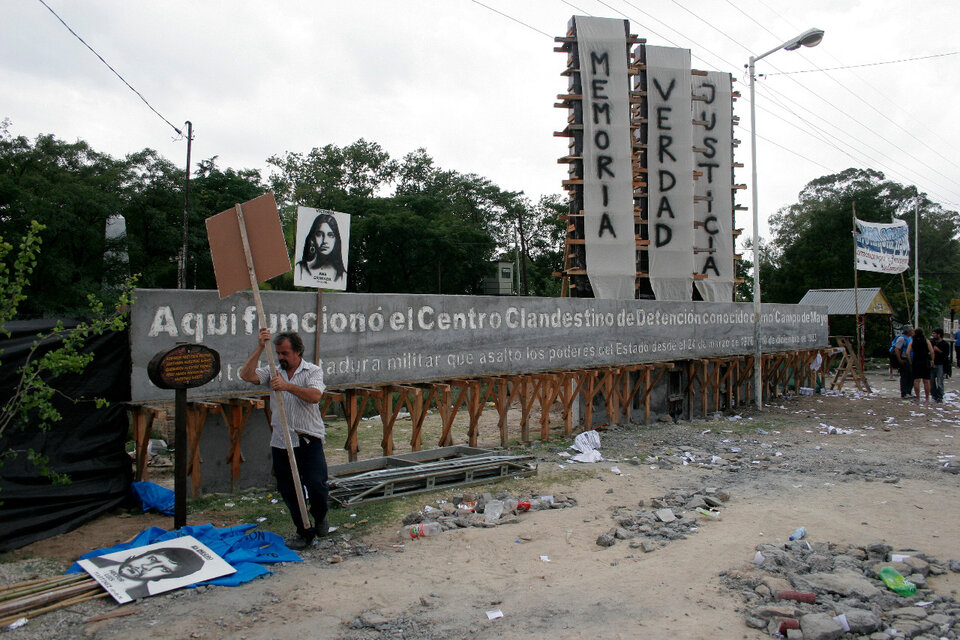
column 323, row 248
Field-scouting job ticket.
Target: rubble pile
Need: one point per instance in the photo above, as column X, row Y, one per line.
column 660, row 523
column 822, row 591
column 486, row 510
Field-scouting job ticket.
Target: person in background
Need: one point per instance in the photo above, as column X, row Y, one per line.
column 920, row 356
column 941, row 356
column 301, row 383
column 956, row 345
column 898, row 356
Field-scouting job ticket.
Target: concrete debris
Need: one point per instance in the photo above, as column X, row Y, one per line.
column 849, row 593
column 470, row 510
column 671, row 517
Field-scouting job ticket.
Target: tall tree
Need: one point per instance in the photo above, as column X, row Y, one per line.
column 71, row 190
column 812, row 246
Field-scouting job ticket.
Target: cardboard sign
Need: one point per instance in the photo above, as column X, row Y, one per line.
column 322, row 251
column 155, row 568
column 265, row 234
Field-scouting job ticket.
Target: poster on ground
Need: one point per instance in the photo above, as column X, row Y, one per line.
column 323, row 249
column 155, row 568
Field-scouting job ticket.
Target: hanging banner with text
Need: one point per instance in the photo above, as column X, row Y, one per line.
column 882, row 247
column 713, row 209
column 394, row 338
column 610, row 241
column 670, row 172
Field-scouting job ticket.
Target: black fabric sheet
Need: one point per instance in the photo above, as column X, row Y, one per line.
column 87, row 443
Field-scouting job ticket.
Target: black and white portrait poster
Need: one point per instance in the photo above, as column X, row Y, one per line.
column 155, row 568
column 323, row 247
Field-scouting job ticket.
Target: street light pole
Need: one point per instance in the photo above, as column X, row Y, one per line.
column 809, row 38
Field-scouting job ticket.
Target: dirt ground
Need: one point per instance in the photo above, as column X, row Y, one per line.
column 880, row 476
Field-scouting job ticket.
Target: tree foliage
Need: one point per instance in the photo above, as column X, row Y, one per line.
column 34, row 390
column 417, row 227
column 813, row 248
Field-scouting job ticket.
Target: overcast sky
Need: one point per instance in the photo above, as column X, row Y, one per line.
column 477, row 88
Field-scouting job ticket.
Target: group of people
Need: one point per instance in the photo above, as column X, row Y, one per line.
column 922, row 361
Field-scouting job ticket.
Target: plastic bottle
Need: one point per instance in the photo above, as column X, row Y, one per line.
column 523, row 505
column 799, row 534
column 421, row 530
column 896, row 582
column 706, row 513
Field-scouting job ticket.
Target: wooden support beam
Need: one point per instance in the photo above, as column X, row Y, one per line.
column 143, row 417
column 196, row 417
column 236, row 413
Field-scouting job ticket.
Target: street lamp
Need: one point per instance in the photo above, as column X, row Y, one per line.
column 809, row 38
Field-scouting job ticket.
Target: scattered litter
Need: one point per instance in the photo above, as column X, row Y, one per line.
column 493, row 615
column 615, row 469
column 544, row 558
column 587, row 456
column 842, row 620
column 758, row 558
column 586, row 441
column 16, row 624
column 229, row 504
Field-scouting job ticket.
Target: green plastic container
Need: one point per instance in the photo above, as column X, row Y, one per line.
column 896, row 582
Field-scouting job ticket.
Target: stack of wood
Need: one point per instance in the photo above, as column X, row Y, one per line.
column 30, row 599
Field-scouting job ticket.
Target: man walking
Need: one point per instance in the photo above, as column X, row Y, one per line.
column 899, row 355
column 301, row 384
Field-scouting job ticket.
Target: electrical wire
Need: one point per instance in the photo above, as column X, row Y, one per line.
column 812, row 129
column 509, row 17
column 140, row 95
column 866, row 64
column 884, row 96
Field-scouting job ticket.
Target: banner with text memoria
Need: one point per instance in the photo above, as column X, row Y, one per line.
column 370, row 338
column 608, row 226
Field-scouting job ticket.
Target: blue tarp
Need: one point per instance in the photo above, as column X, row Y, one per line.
column 153, row 496
column 244, row 549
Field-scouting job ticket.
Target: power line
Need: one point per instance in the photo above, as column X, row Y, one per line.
column 140, row 95
column 511, row 18
column 883, row 95
column 866, row 64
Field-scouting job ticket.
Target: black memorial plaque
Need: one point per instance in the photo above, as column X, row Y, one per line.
column 185, row 366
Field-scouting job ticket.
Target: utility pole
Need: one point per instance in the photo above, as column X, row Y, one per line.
column 182, row 280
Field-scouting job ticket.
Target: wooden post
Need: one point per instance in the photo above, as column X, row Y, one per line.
column 316, row 333
column 272, row 359
column 180, row 460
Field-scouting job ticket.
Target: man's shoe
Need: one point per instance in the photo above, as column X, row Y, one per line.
column 299, row 543
column 323, row 528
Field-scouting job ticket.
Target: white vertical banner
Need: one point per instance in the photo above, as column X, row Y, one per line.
column 322, row 252
column 713, row 139
column 670, row 172
column 610, row 241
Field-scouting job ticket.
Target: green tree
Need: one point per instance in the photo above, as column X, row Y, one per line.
column 812, row 246
column 413, row 244
column 33, row 393
column 71, row 190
